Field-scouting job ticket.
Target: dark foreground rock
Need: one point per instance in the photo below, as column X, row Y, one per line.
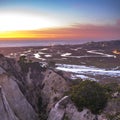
column 66, row 110
column 6, row 112
column 31, row 92
column 14, row 102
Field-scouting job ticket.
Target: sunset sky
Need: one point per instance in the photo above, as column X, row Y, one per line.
column 59, row 19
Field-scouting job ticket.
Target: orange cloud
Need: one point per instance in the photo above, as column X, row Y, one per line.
column 77, row 31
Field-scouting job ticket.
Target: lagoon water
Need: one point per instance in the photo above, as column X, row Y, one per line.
column 82, row 71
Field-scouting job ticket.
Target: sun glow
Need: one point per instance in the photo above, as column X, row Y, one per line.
column 22, row 35
column 21, row 21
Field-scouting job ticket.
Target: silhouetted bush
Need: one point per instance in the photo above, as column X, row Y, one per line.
column 22, row 59
column 111, row 88
column 1, row 55
column 89, row 94
column 51, row 64
column 25, row 65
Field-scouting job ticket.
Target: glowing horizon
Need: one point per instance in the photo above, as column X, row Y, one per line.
column 74, row 32
column 76, row 19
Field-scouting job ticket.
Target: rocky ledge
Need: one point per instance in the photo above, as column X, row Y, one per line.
column 32, row 92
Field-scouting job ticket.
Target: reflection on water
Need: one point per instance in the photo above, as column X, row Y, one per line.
column 85, row 70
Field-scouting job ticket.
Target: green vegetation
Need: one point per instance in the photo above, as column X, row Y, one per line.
column 89, row 94
column 111, row 88
column 113, row 92
column 113, row 117
column 1, row 55
column 51, row 64
column 65, row 118
column 22, row 59
column 75, row 81
column 25, row 65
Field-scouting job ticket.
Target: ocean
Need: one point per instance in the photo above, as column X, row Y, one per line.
column 24, row 43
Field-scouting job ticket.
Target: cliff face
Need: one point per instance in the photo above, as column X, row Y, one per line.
column 38, row 94
column 66, row 110
column 33, row 79
column 12, row 67
column 14, row 99
column 53, row 88
column 28, row 91
column 29, row 81
column 6, row 112
column 14, row 105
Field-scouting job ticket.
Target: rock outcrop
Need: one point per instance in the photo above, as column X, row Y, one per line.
column 28, row 80
column 12, row 67
column 53, row 88
column 65, row 109
column 1, row 71
column 35, row 91
column 15, row 100
column 6, row 112
column 33, row 80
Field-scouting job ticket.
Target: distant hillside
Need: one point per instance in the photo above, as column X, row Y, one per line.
column 103, row 44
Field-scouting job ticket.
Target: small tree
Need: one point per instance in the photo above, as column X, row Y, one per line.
column 23, row 63
column 51, row 64
column 22, row 59
column 1, row 55
column 89, row 94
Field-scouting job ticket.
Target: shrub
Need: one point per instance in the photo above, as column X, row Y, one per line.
column 51, row 64
column 89, row 94
column 1, row 55
column 22, row 59
column 111, row 88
